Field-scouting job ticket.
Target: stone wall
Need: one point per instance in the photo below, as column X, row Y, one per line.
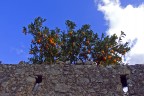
column 70, row 80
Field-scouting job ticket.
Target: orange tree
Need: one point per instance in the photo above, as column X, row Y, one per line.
column 45, row 43
column 51, row 45
column 109, row 49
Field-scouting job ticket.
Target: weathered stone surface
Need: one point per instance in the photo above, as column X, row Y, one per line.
column 70, row 80
column 83, row 81
column 30, row 79
column 62, row 87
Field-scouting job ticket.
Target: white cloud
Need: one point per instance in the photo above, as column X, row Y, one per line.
column 128, row 19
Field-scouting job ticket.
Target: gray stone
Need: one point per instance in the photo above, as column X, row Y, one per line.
column 61, row 87
column 22, row 71
column 79, row 72
column 119, row 88
column 30, row 79
column 54, row 72
column 104, row 91
column 83, row 81
column 126, row 71
column 91, row 90
column 4, row 84
column 99, row 79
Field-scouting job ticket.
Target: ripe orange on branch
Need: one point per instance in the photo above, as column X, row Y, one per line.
column 88, row 51
column 70, row 33
column 38, row 41
column 112, row 51
column 114, row 61
column 104, row 58
column 51, row 40
column 83, row 33
column 109, row 57
column 102, row 52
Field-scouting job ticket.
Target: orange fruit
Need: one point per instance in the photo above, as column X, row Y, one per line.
column 102, row 52
column 112, row 51
column 83, row 33
column 70, row 33
column 38, row 41
column 109, row 57
column 39, row 33
column 87, row 42
column 51, row 40
column 114, row 61
column 88, row 51
column 104, row 58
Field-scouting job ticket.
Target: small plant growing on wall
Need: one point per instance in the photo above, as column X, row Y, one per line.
column 48, row 46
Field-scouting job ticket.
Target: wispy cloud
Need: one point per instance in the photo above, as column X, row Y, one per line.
column 18, row 50
column 128, row 19
column 19, row 53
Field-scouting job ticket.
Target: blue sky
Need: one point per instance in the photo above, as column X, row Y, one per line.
column 14, row 14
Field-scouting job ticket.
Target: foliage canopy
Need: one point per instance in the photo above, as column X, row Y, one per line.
column 49, row 46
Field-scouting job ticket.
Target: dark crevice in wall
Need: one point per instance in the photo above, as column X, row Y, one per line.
column 38, row 78
column 37, row 82
column 124, row 83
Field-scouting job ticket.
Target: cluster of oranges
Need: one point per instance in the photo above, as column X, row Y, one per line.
column 108, row 57
column 51, row 41
column 70, row 33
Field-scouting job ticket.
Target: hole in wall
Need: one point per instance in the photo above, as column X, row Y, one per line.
column 38, row 78
column 124, row 83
